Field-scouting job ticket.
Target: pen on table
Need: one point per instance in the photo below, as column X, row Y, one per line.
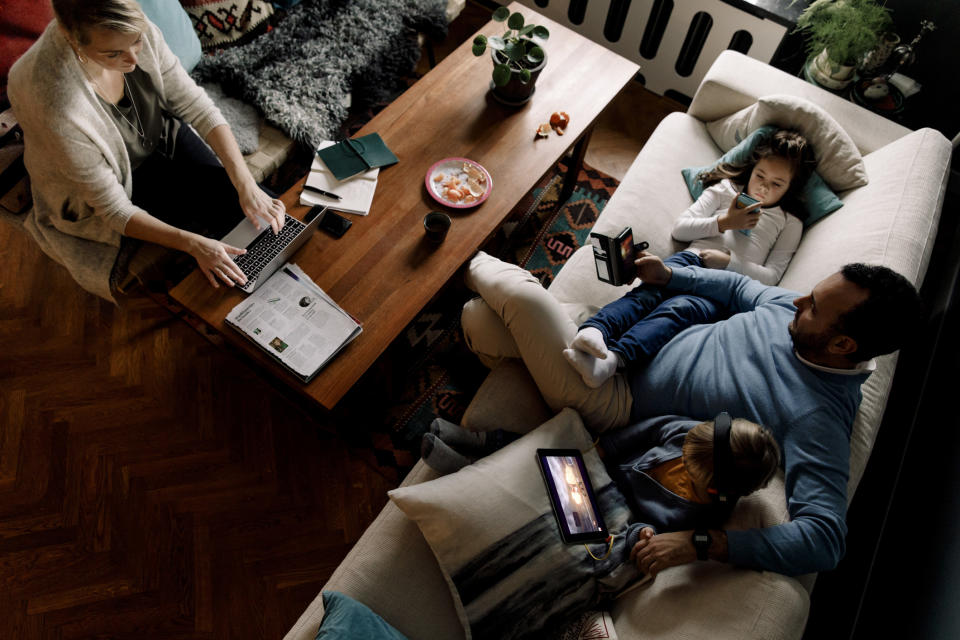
column 322, row 192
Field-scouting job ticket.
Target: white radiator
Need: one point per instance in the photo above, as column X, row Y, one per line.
column 673, row 41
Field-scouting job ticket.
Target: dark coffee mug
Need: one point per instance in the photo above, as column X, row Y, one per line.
column 436, row 224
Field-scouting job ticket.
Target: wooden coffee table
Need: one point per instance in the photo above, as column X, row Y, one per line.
column 383, row 271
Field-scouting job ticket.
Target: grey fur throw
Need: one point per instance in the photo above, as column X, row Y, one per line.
column 301, row 74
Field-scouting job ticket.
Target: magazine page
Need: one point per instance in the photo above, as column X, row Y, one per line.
column 295, row 321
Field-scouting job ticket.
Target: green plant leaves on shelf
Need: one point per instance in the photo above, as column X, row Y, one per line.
column 501, row 74
column 501, row 14
column 525, row 76
column 515, row 21
column 496, row 42
column 541, row 32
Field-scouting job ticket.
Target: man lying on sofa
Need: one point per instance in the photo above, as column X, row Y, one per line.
column 792, row 363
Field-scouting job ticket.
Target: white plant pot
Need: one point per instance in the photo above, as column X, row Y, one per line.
column 830, row 74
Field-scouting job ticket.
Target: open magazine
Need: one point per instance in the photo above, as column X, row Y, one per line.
column 295, row 321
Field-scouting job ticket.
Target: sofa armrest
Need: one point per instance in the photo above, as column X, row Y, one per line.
column 735, row 81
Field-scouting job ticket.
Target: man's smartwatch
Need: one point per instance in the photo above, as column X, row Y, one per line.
column 701, row 540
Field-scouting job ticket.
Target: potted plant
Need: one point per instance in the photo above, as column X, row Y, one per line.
column 517, row 56
column 840, row 33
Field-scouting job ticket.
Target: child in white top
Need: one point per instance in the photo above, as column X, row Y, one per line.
column 758, row 240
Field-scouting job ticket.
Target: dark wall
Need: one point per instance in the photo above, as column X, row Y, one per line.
column 936, row 104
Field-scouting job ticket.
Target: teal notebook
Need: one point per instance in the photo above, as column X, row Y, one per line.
column 350, row 157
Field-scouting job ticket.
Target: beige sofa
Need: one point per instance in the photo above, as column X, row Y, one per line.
column 391, row 568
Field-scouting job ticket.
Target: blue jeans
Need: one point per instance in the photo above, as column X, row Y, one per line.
column 640, row 323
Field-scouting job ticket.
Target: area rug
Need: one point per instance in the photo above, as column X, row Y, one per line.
column 428, row 371
column 323, row 56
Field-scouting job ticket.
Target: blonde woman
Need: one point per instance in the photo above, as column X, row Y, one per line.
column 103, row 103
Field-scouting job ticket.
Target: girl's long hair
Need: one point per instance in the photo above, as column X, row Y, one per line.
column 784, row 143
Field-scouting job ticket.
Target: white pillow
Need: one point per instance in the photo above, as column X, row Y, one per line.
column 493, row 532
column 838, row 160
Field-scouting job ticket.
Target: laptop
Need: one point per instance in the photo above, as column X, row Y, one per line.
column 267, row 252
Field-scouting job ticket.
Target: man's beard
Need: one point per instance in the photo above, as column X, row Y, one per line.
column 809, row 345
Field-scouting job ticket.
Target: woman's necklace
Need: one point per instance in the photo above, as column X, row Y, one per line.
column 126, row 90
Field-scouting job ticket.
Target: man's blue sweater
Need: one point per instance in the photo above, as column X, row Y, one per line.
column 746, row 365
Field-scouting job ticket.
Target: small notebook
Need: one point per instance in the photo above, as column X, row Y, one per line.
column 350, row 157
column 356, row 193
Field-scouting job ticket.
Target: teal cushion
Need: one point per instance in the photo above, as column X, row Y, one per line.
column 346, row 619
column 816, row 196
column 177, row 29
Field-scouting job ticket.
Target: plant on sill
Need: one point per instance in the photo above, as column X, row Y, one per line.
column 517, row 51
column 847, row 29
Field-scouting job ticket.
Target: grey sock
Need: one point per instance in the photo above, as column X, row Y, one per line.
column 457, row 437
column 441, row 457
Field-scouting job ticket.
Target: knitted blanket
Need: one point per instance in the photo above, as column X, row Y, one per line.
column 303, row 73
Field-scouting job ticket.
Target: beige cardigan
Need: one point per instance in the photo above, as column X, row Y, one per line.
column 79, row 169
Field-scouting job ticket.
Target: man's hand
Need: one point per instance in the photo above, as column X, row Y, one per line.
column 715, row 258
column 651, row 270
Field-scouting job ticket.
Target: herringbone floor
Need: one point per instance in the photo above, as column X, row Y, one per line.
column 150, row 484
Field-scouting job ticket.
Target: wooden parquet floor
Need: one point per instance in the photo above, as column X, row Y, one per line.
column 151, row 485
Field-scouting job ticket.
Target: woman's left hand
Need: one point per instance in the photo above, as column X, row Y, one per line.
column 714, row 258
column 257, row 205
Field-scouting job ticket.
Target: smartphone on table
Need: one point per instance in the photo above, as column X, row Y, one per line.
column 335, row 224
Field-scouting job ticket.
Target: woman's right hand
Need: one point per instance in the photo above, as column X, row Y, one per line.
column 739, row 217
column 213, row 257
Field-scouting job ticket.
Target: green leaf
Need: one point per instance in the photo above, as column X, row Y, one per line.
column 496, row 42
column 480, row 39
column 478, row 49
column 524, row 76
column 541, row 32
column 501, row 14
column 535, row 55
column 501, row 74
column 514, row 50
column 515, row 21
column 526, row 30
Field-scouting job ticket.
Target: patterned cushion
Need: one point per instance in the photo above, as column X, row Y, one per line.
column 222, row 23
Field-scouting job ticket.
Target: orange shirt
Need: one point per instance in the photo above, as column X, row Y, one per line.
column 673, row 476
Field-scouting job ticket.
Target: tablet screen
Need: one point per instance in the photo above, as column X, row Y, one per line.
column 571, row 495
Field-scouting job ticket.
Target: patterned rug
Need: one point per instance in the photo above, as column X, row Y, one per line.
column 428, row 371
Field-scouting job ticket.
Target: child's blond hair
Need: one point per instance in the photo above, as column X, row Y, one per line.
column 756, row 454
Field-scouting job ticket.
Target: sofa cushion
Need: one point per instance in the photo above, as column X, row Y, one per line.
column 345, row 618
column 838, row 161
column 495, row 536
column 816, row 196
column 177, row 30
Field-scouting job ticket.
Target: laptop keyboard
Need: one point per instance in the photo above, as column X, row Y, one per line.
column 266, row 246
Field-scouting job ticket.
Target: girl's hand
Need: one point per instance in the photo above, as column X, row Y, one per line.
column 739, row 217
column 257, row 204
column 213, row 257
column 714, row 258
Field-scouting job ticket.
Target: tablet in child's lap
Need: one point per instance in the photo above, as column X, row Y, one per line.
column 571, row 495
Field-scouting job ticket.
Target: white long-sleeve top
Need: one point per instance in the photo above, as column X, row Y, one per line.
column 763, row 255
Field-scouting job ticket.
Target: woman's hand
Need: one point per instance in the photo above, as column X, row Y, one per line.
column 739, row 217
column 714, row 258
column 256, row 204
column 213, row 257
